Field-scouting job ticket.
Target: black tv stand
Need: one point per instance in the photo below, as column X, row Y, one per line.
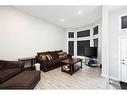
column 92, row 62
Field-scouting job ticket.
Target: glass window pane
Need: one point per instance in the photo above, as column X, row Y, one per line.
column 124, row 22
column 81, row 47
column 71, row 48
column 95, row 30
column 70, row 34
column 95, row 42
column 84, row 33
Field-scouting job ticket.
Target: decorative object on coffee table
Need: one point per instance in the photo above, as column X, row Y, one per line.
column 71, row 66
column 31, row 59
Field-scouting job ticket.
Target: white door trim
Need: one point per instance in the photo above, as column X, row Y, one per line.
column 120, row 69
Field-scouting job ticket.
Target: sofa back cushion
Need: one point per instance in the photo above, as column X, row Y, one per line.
column 8, row 73
column 54, row 54
column 61, row 54
column 40, row 53
column 13, row 64
column 1, row 66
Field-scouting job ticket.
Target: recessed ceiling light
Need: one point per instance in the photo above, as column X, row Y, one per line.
column 79, row 12
column 61, row 20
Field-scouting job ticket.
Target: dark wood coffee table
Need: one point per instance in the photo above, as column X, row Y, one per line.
column 72, row 65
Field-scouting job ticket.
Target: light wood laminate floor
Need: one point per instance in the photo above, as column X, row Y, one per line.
column 85, row 78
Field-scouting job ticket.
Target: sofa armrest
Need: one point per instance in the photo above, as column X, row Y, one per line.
column 38, row 59
column 12, row 64
column 42, row 62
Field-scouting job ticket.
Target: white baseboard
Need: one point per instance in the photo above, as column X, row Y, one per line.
column 117, row 79
column 109, row 77
column 104, row 75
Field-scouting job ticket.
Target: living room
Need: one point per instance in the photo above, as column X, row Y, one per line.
column 27, row 31
column 24, row 42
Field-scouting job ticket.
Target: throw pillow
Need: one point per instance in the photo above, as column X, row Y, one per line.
column 61, row 54
column 65, row 54
column 49, row 57
column 43, row 57
column 54, row 55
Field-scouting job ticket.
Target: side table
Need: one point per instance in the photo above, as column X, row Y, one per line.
column 31, row 59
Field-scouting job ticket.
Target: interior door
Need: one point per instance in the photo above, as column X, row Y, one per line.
column 123, row 58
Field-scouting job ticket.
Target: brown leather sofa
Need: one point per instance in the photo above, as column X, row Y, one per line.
column 27, row 79
column 9, row 69
column 55, row 61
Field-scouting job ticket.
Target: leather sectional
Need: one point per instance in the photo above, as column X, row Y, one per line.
column 55, row 62
column 25, row 80
column 9, row 69
column 13, row 76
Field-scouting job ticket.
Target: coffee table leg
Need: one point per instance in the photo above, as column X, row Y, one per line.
column 71, row 67
column 62, row 68
column 81, row 64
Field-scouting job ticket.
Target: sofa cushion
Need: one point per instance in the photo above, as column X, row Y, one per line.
column 54, row 54
column 1, row 66
column 52, row 63
column 6, row 74
column 24, row 80
column 12, row 64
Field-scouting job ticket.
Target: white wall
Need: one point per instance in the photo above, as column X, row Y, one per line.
column 104, row 41
column 24, row 35
column 114, row 34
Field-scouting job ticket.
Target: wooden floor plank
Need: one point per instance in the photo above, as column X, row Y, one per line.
column 85, row 78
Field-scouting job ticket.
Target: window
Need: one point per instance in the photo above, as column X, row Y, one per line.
column 84, row 33
column 95, row 30
column 123, row 22
column 71, row 47
column 95, row 42
column 81, row 47
column 70, row 34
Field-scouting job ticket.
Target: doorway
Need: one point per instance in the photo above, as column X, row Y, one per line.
column 123, row 59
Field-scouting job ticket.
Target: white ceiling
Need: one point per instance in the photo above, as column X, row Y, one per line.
column 53, row 14
column 116, row 8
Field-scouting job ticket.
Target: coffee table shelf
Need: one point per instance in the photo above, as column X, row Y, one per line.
column 72, row 65
column 75, row 69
